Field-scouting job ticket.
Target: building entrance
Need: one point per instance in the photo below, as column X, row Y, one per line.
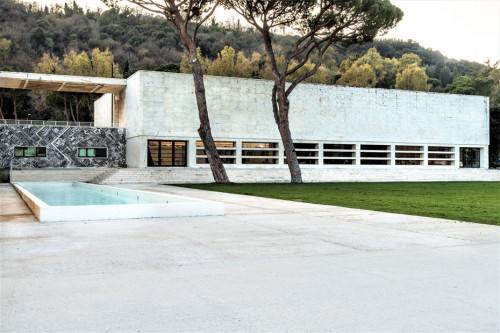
column 167, row 153
column 470, row 157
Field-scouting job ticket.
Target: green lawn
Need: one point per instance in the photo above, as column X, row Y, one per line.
column 464, row 201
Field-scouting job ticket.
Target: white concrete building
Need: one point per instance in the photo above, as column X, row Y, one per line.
column 334, row 127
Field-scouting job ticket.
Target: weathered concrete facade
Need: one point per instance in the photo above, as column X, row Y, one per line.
column 61, row 146
column 337, row 126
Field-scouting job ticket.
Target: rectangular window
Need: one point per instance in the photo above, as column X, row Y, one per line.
column 92, row 152
column 439, row 155
column 30, row 151
column 448, row 149
column 167, row 153
column 375, row 154
column 259, row 153
column 409, row 148
column 307, row 153
column 226, row 150
column 339, row 153
column 409, row 155
column 375, row 147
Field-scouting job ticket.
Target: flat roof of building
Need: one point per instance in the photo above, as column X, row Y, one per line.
column 64, row 83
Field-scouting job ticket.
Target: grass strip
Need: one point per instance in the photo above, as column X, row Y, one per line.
column 463, row 201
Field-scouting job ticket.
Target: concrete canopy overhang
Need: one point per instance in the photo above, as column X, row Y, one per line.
column 64, row 83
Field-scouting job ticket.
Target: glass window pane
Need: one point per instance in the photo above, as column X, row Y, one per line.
column 90, row 152
column 18, row 151
column 30, row 151
column 180, row 153
column 101, row 152
column 259, row 145
column 167, row 153
column 82, row 152
column 153, row 153
column 41, row 152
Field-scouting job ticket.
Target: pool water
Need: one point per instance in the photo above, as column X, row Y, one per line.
column 66, row 194
column 64, row 201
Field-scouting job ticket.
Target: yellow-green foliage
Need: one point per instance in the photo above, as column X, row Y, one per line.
column 371, row 70
column 77, row 64
column 228, row 63
column 243, row 67
column 185, row 66
column 358, row 76
column 48, row 65
column 412, row 78
column 5, row 47
column 101, row 64
column 224, row 64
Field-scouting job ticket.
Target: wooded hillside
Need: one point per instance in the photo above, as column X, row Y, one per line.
column 140, row 41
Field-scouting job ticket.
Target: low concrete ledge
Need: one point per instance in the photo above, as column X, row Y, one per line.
column 56, row 174
column 277, row 175
column 249, row 175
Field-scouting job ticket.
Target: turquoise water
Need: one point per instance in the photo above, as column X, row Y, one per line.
column 65, row 194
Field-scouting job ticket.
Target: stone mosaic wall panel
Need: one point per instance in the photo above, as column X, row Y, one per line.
column 62, row 146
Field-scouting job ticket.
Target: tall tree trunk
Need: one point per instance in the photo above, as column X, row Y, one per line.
column 72, row 113
column 66, row 115
column 16, row 102
column 286, row 139
column 281, row 107
column 78, row 101
column 205, row 132
column 1, row 108
column 14, row 105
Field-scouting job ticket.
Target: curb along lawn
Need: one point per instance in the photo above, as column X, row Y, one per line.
column 463, row 201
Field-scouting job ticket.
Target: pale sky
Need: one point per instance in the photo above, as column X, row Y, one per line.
column 460, row 29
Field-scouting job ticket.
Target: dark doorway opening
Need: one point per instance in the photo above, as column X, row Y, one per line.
column 470, row 157
column 167, row 153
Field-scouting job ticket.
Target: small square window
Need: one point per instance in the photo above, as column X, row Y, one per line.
column 82, row 152
column 41, row 152
column 90, row 152
column 30, row 152
column 101, row 152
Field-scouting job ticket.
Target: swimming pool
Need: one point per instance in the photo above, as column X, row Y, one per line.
column 65, row 201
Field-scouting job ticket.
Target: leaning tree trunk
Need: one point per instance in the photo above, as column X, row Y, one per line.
column 66, row 115
column 205, row 132
column 72, row 113
column 286, row 139
column 78, row 101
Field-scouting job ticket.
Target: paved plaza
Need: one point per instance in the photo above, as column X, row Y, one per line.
column 266, row 265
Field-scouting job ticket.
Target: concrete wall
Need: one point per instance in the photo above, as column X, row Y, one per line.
column 103, row 111
column 198, row 175
column 162, row 106
column 62, row 145
column 57, row 175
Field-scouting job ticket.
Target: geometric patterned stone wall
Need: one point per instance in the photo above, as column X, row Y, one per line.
column 62, row 144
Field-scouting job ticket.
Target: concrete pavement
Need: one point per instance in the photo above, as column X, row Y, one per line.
column 267, row 265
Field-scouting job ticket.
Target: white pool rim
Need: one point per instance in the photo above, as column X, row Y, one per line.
column 159, row 208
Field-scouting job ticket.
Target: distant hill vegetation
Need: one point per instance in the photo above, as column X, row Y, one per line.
column 140, row 41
